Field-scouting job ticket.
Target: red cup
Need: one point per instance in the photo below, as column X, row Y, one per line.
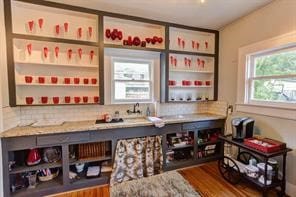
column 198, row 83
column 184, row 82
column 44, row 99
column 130, row 41
column 57, row 29
column 85, row 81
column 91, row 55
column 77, row 99
column 208, row 83
column 76, row 80
column 67, row 80
column 148, row 40
column 96, row 99
column 85, row 99
column 54, row 80
column 29, row 100
column 56, row 100
column 108, row 33
column 143, row 44
column 45, row 52
column 160, row 40
column 79, row 32
column 67, row 99
column 94, row 81
column 90, row 30
column 28, row 79
column 120, row 35
column 40, row 23
column 31, row 25
column 80, row 53
column 41, row 79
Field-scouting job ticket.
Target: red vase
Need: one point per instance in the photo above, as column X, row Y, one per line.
column 33, row 157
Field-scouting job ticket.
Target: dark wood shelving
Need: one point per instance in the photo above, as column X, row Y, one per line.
column 53, row 39
column 21, row 169
column 102, row 179
column 209, row 143
column 115, row 46
column 179, row 164
column 191, row 53
column 103, row 158
column 180, row 147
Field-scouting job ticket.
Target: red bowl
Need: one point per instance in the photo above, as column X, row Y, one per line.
column 56, row 100
column 29, row 100
column 41, row 79
column 28, row 79
column 44, row 99
column 67, row 99
column 76, row 80
column 77, row 99
column 54, row 80
column 67, row 80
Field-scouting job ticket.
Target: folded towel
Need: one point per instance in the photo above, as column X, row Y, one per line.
column 158, row 122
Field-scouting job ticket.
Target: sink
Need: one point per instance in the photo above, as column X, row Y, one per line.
column 112, row 121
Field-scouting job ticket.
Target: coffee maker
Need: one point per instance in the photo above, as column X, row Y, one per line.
column 242, row 128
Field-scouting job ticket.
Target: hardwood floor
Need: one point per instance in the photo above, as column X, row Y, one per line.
column 206, row 179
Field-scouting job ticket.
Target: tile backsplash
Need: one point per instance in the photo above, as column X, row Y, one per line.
column 28, row 114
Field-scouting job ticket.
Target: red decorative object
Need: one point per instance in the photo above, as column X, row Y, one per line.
column 193, row 43
column 114, row 35
column 172, row 82
column 44, row 99
column 28, row 79
column 31, row 25
column 125, row 42
column 120, row 35
column 67, row 99
column 90, row 31
column 66, row 27
column 185, row 61
column 172, row 60
column 136, row 41
column 29, row 100
column 77, row 99
column 184, row 82
column 189, row 62
column 41, row 80
column 155, row 39
column 96, row 99
column 55, row 100
column 183, row 44
column 206, row 44
column 85, row 81
column 208, row 83
column 198, row 83
column 85, row 99
column 67, row 80
column 143, row 44
column 265, row 145
column 148, row 40
column 160, row 40
column 130, row 41
column 91, row 55
column 69, row 53
column 108, row 33
column 179, row 41
column 79, row 32
column 40, row 23
column 56, row 51
column 29, row 48
column 54, row 80
column 175, row 62
column 76, row 80
column 202, row 63
column 94, row 81
column 33, row 157
column 198, row 61
column 197, row 45
column 57, row 29
column 45, row 52
column 80, row 53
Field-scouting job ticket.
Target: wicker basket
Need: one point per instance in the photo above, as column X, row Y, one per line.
column 48, row 178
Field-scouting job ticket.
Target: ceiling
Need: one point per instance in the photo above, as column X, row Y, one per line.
column 212, row 14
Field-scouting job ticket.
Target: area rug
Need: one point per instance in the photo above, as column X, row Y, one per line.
column 168, row 184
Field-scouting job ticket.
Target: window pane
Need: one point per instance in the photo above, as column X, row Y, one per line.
column 283, row 90
column 132, row 90
column 280, row 63
column 131, row 71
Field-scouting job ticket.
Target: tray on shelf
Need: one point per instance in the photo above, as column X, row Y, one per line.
column 265, row 145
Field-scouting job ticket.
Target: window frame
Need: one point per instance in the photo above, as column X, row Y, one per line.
column 250, row 77
column 150, row 81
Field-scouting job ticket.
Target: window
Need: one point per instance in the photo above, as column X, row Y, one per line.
column 132, row 80
column 272, row 77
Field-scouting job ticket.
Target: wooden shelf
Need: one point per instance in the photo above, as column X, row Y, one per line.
column 189, row 86
column 21, row 169
column 102, row 179
column 209, row 143
column 192, row 53
column 115, row 46
column 53, row 64
column 180, row 147
column 105, row 158
column 275, row 183
column 191, row 71
column 57, row 85
column 52, row 39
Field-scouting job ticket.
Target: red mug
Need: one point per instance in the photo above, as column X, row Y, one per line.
column 28, row 79
column 67, row 80
column 44, row 99
column 85, row 81
column 56, row 100
column 85, row 99
column 96, row 99
column 41, row 79
column 54, row 80
column 77, row 99
column 29, row 100
column 94, row 81
column 208, row 83
column 198, row 83
column 76, row 80
column 67, row 99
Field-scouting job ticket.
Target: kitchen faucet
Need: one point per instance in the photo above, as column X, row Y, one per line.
column 134, row 110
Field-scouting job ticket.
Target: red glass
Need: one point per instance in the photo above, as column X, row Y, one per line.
column 96, row 99
column 91, row 55
column 198, row 83
column 66, row 27
column 90, row 31
column 76, row 80
column 29, row 100
column 160, row 40
column 120, row 35
column 33, row 157
column 56, row 100
column 67, row 80
column 44, row 99
column 94, row 81
column 54, row 80
column 175, row 62
column 67, row 99
column 69, row 53
column 185, row 61
column 41, row 79
column 198, row 61
column 179, row 41
column 189, row 62
column 108, row 33
column 193, row 44
column 206, row 45
column 56, row 51
column 77, row 99
column 148, row 40
column 28, row 79
column 208, row 83
column 143, row 44
column 184, row 82
column 130, row 41
column 86, row 81
column 183, row 44
column 45, row 52
column 79, row 32
column 136, row 41
column 29, row 48
column 57, row 29
column 80, row 53
column 203, row 63
column 172, row 60
column 40, row 23
column 85, row 99
column 197, row 45
column 31, row 25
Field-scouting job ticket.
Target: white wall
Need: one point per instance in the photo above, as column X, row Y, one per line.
column 278, row 17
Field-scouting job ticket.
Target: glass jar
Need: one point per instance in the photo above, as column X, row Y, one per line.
column 275, row 168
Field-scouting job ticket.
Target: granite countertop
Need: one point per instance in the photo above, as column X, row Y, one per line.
column 90, row 125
